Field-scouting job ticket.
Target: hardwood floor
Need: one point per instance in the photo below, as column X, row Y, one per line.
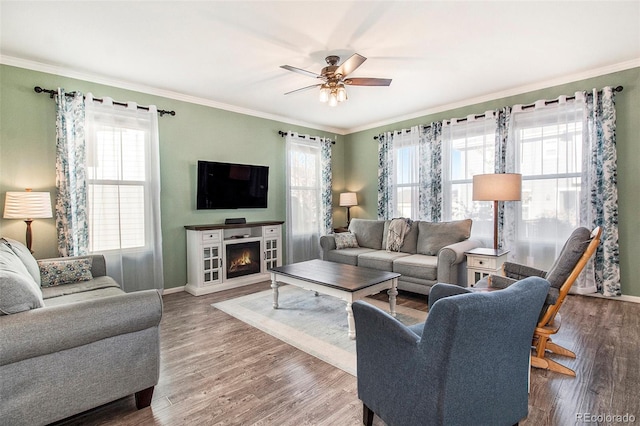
column 217, row 370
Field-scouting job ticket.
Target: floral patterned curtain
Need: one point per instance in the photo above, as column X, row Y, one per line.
column 430, row 196
column 505, row 161
column 599, row 206
column 385, row 176
column 71, row 184
column 326, row 215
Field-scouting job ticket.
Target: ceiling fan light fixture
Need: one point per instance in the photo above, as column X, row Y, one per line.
column 342, row 93
column 333, row 99
column 333, row 87
column 324, row 93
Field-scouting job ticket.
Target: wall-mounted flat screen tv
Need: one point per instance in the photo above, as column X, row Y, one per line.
column 231, row 186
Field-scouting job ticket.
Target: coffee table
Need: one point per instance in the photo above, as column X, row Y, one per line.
column 347, row 282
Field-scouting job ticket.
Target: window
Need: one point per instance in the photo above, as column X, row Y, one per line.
column 405, row 174
column 118, row 183
column 406, row 178
column 548, row 146
column 304, row 184
column 468, row 150
column 308, row 189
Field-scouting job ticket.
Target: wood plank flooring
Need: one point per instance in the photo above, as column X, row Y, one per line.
column 216, row 370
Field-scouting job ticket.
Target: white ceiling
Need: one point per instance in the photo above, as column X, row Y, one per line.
column 228, row 53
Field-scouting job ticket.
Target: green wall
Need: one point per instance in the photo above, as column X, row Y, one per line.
column 361, row 157
column 27, row 158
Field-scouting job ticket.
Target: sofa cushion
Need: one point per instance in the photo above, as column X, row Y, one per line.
column 380, row 259
column 347, row 256
column 18, row 293
column 432, row 236
column 418, row 266
column 82, row 296
column 26, row 257
column 79, row 287
column 569, row 256
column 345, row 240
column 58, row 272
column 368, row 232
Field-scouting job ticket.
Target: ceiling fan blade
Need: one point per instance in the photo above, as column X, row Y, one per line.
column 350, row 64
column 303, row 89
column 301, row 71
column 367, row 81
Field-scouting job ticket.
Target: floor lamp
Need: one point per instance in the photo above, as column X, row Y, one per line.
column 497, row 187
column 27, row 205
column 348, row 200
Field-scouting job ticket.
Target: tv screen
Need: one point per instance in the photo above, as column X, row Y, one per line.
column 231, row 186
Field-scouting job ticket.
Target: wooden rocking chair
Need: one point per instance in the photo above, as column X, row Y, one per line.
column 572, row 259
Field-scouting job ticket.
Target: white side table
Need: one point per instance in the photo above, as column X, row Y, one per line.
column 482, row 262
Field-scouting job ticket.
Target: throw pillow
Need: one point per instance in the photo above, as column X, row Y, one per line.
column 432, row 236
column 345, row 240
column 19, row 293
column 58, row 272
column 25, row 256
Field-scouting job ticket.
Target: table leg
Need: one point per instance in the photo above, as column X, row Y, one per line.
column 351, row 322
column 393, row 292
column 274, row 286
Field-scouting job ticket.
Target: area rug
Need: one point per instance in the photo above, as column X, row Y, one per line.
column 314, row 324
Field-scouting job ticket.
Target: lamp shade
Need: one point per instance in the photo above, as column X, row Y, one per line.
column 348, row 199
column 27, row 205
column 497, row 187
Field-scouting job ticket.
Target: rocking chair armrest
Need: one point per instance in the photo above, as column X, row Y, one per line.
column 498, row 281
column 518, row 271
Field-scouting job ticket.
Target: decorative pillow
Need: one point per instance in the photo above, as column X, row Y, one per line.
column 26, row 257
column 345, row 240
column 58, row 272
column 432, row 236
column 18, row 292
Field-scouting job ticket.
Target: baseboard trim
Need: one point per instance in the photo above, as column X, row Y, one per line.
column 623, row 298
column 172, row 290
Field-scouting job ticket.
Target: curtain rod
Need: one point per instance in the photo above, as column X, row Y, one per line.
column 554, row 101
column 52, row 93
column 570, row 98
column 313, row 138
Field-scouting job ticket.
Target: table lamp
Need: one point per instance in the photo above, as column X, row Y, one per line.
column 497, row 187
column 27, row 205
column 348, row 199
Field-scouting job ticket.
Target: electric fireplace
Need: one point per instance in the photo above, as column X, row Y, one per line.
column 242, row 258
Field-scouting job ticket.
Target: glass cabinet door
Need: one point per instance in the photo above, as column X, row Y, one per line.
column 211, row 264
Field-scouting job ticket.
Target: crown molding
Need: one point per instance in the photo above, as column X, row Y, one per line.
column 99, row 79
column 609, row 69
column 94, row 78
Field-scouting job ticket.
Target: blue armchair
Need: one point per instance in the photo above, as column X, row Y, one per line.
column 467, row 364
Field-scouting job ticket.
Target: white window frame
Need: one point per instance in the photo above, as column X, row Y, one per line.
column 468, row 135
column 102, row 120
column 406, row 174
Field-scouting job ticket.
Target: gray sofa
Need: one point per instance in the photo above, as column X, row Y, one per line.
column 70, row 347
column 431, row 252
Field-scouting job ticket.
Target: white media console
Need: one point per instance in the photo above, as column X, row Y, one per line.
column 222, row 256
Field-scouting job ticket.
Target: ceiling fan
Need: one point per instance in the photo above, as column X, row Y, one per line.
column 334, row 78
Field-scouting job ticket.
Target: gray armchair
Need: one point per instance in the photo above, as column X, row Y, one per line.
column 467, row 364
